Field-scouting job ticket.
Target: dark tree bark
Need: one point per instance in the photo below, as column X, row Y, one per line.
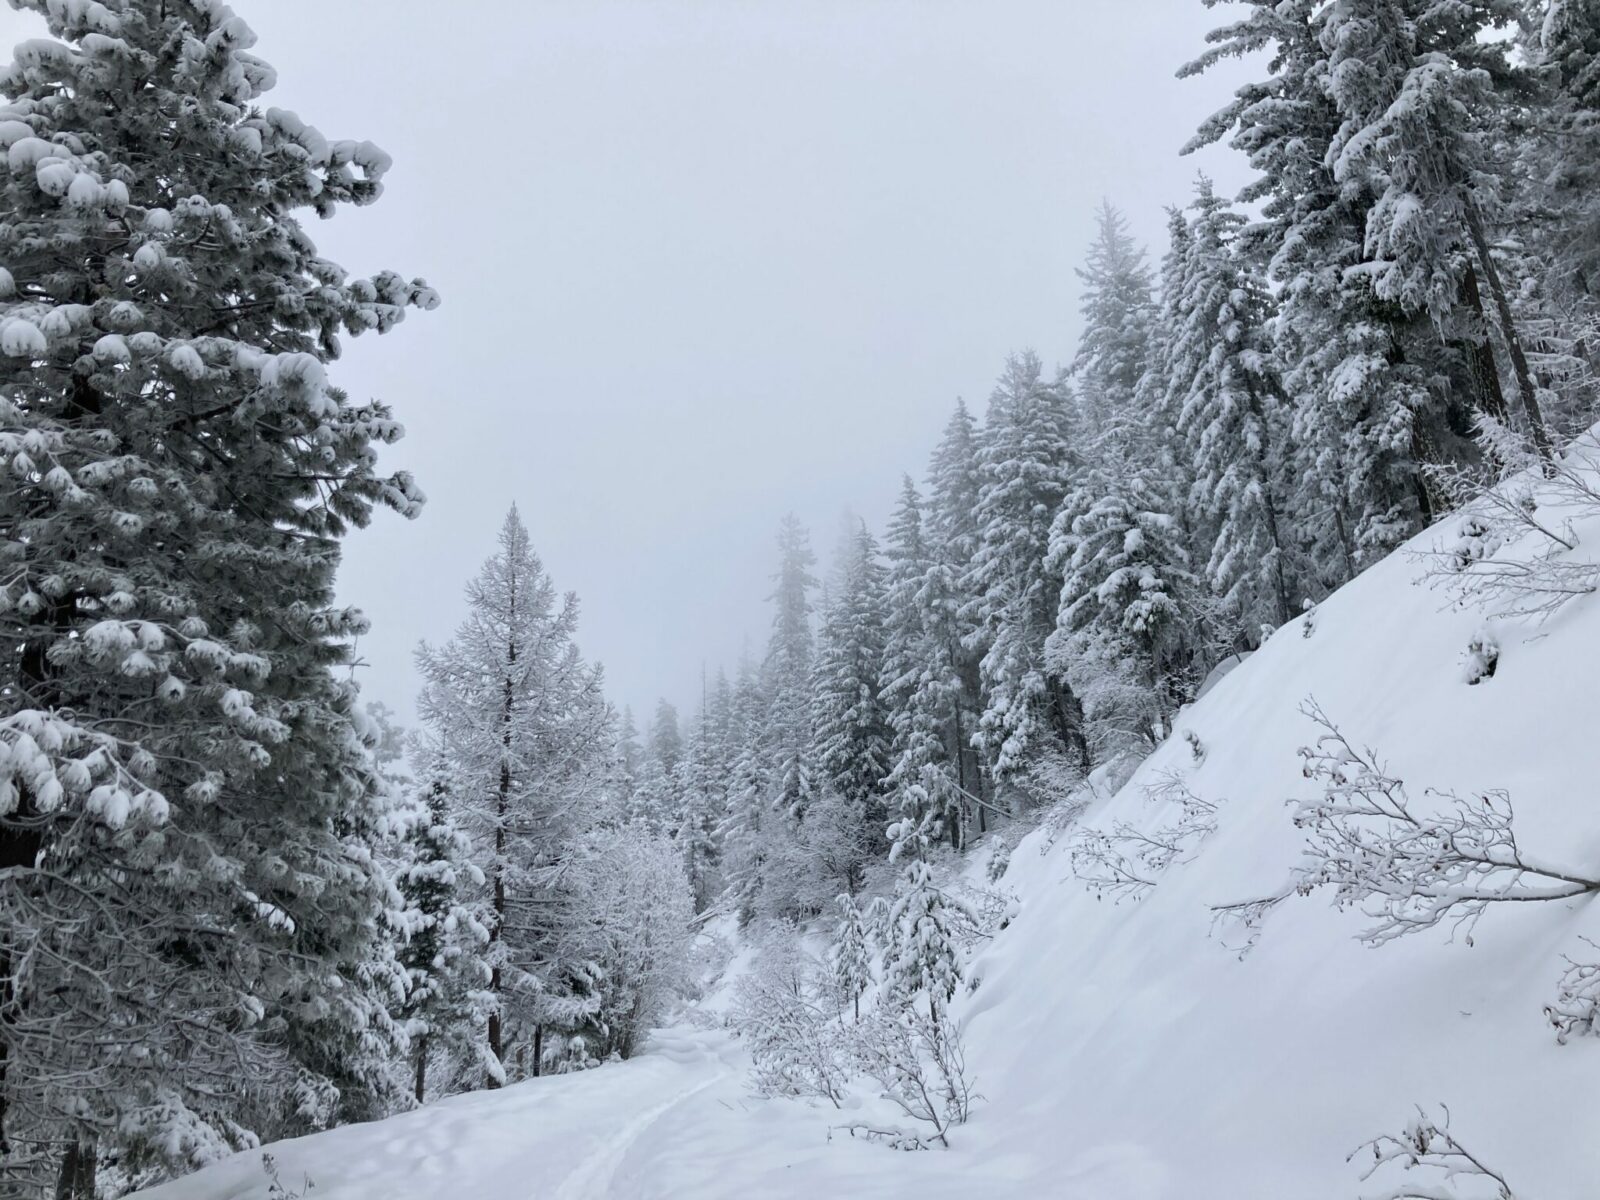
column 1508, row 333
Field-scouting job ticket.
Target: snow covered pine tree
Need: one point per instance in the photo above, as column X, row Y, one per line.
column 515, row 720
column 188, row 892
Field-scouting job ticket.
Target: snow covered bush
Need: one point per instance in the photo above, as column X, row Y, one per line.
column 1576, row 1008
column 1512, row 551
column 1408, row 866
column 636, row 909
column 1444, row 1168
column 788, row 1013
column 916, row 1058
column 1481, row 657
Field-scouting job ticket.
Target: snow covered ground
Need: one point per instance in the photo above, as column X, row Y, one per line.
column 1130, row 1051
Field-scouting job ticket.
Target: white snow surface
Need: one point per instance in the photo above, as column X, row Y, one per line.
column 1124, row 1052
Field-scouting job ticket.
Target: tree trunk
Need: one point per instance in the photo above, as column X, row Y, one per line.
column 420, row 1088
column 76, row 1178
column 502, row 812
column 1491, row 399
column 538, row 1049
column 961, row 779
column 1068, row 713
column 1280, row 585
column 1508, row 332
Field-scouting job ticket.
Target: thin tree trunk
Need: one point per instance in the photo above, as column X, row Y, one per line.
column 961, row 777
column 420, row 1088
column 1280, row 584
column 1345, row 548
column 1508, row 332
column 538, row 1049
column 502, row 811
column 1068, row 713
column 1491, row 399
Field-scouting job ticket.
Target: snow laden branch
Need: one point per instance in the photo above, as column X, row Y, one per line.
column 1240, row 921
column 1513, row 543
column 1436, row 1166
column 1576, row 1009
column 1410, row 867
column 1125, row 861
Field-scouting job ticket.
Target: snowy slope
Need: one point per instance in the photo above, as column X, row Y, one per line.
column 1125, row 1052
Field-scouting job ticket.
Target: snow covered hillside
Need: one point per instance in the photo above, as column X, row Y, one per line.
column 1143, row 1049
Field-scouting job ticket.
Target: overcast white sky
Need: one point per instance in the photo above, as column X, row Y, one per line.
column 707, row 261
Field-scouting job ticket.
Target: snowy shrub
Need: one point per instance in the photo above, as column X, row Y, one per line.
column 276, row 1188
column 1576, row 1008
column 999, row 860
column 979, row 913
column 1512, row 545
column 1444, row 1168
column 916, row 1057
column 787, row 1011
column 1062, row 816
column 1410, row 867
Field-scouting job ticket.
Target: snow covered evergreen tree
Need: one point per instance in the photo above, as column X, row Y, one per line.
column 1129, row 602
column 443, row 952
column 1027, row 462
column 787, row 672
column 748, row 823
column 849, row 959
column 951, row 531
column 187, row 813
column 851, row 725
column 702, row 776
column 630, row 759
column 1232, row 417
column 921, row 958
column 515, row 720
column 657, row 798
column 1376, row 392
column 1417, row 85
column 1118, row 313
column 921, row 683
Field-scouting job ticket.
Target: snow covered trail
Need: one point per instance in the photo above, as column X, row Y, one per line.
column 595, row 1176
column 561, row 1137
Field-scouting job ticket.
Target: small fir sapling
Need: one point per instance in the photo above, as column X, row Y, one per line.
column 849, row 959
